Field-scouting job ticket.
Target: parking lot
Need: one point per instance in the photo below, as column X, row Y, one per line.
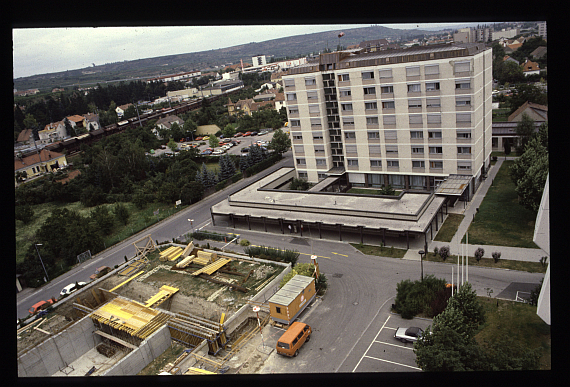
column 386, row 354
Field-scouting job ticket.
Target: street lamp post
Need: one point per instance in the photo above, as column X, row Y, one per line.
column 39, row 244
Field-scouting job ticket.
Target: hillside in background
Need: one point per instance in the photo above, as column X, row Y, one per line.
column 292, row 46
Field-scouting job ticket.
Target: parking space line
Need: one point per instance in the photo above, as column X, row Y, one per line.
column 395, row 345
column 371, row 344
column 393, row 362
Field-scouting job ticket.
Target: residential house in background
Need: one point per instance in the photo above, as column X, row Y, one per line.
column 506, row 131
column 530, row 68
column 246, row 106
column 538, row 113
column 25, row 137
column 53, row 132
column 121, row 109
column 539, row 52
column 38, row 163
column 166, row 122
column 507, row 58
column 92, row 121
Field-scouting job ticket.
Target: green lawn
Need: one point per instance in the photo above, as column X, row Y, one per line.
column 501, row 220
column 390, row 252
column 138, row 220
column 519, row 321
column 449, row 227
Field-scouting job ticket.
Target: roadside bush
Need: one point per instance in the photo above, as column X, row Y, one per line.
column 479, row 253
column 496, row 256
column 444, row 252
column 413, row 298
column 273, row 254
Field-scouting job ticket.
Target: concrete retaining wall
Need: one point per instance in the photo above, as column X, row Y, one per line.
column 139, row 358
column 60, row 350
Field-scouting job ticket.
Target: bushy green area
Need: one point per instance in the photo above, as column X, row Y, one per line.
column 468, row 337
column 272, row 254
column 427, row 298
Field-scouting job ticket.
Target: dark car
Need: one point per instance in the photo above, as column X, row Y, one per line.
column 100, row 272
column 408, row 335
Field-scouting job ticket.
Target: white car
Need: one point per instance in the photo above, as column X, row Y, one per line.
column 71, row 288
column 408, row 335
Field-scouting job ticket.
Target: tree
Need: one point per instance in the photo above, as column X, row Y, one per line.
column 213, row 141
column 121, row 213
column 24, row 213
column 190, row 127
column 527, row 92
column 507, row 147
column 280, row 142
column 525, row 130
column 100, row 215
column 529, row 172
column 465, row 300
column 228, row 130
column 172, row 145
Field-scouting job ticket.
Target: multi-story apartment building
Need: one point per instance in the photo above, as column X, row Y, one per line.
column 409, row 118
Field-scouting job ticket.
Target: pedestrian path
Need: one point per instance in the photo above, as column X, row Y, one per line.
column 512, row 253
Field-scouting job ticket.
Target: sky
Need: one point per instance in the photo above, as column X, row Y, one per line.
column 48, row 50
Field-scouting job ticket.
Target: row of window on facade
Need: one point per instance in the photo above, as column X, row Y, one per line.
column 463, row 84
column 434, row 118
column 411, row 71
column 461, row 134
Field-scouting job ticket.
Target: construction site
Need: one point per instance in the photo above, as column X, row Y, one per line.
column 172, row 309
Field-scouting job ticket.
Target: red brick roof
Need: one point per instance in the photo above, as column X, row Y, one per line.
column 35, row 158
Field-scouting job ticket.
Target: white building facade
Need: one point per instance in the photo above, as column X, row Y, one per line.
column 408, row 118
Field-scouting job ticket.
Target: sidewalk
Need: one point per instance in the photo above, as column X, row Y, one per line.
column 512, row 253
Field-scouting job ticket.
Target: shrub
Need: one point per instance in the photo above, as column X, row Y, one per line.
column 496, row 256
column 479, row 253
column 444, row 252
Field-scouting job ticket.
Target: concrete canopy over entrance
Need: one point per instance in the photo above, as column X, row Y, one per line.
column 407, row 213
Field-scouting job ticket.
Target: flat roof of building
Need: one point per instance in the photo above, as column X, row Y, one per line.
column 409, row 211
column 291, row 290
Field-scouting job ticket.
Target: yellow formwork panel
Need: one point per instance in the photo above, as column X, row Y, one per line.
column 175, row 256
column 211, row 268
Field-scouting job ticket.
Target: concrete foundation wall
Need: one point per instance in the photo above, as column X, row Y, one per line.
column 58, row 351
column 139, row 358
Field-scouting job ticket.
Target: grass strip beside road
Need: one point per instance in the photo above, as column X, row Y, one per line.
column 531, row 267
column 390, row 252
column 501, row 220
